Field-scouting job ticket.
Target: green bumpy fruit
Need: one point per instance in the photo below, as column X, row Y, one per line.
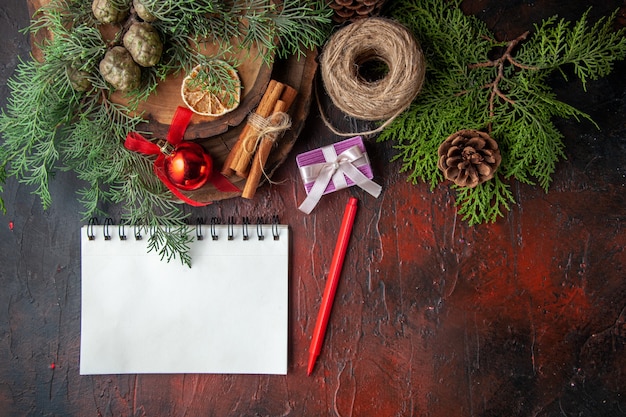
column 143, row 12
column 110, row 11
column 120, row 70
column 144, row 44
column 78, row 79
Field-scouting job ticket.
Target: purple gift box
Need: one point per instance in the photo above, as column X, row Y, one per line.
column 310, row 162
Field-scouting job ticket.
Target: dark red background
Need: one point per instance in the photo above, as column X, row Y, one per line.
column 524, row 317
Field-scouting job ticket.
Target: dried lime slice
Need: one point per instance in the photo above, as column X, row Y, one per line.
column 212, row 90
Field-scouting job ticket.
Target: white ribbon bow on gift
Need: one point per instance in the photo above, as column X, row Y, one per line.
column 334, row 169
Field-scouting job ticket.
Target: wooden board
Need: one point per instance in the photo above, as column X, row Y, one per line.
column 299, row 74
column 159, row 108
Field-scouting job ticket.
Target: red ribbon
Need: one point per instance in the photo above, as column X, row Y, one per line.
column 137, row 143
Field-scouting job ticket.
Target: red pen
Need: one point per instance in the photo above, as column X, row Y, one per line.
column 331, row 283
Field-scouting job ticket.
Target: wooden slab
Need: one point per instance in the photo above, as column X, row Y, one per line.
column 159, row 108
column 299, row 74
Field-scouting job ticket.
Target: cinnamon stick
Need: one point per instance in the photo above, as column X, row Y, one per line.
column 288, row 96
column 251, row 136
column 240, row 161
column 265, row 147
column 230, row 163
column 261, row 155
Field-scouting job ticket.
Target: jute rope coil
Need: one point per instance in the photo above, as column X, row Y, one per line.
column 366, row 41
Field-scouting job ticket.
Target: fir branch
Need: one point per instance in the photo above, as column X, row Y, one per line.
column 485, row 202
column 526, row 130
column 509, row 96
column 79, row 45
column 170, row 243
column 31, row 134
column 147, row 202
column 591, row 50
column 185, row 17
column 301, row 26
column 499, row 64
column 442, row 28
column 289, row 29
column 92, row 145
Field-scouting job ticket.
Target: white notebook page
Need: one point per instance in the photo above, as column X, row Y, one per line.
column 228, row 313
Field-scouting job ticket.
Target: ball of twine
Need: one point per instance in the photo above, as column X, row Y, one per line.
column 367, row 41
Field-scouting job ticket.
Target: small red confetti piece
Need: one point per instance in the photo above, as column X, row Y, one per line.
column 10, row 225
column 52, row 365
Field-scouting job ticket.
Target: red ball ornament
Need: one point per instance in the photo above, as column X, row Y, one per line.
column 188, row 167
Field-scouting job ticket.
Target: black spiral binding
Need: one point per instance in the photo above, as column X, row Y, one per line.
column 108, row 222
column 259, row 228
column 244, row 228
column 275, row 227
column 90, row 232
column 215, row 221
column 199, row 224
column 121, row 231
column 231, row 228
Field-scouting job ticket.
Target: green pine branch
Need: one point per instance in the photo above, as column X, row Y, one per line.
column 590, row 49
column 485, row 202
column 508, row 95
column 290, row 28
column 31, row 134
column 171, row 243
column 301, row 26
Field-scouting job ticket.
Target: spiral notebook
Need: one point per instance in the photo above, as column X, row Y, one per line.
column 226, row 314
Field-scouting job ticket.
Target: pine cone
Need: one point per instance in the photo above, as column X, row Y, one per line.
column 348, row 10
column 469, row 157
